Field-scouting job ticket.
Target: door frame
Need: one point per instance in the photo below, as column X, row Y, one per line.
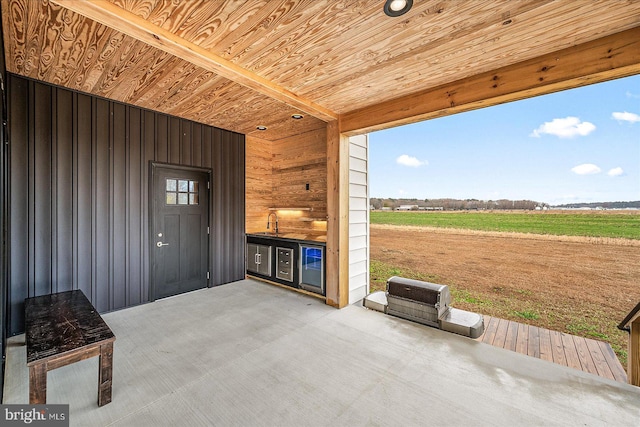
column 153, row 167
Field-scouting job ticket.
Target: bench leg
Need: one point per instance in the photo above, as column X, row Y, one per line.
column 38, row 384
column 104, row 374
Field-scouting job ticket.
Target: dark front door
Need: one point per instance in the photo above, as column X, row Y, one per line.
column 179, row 230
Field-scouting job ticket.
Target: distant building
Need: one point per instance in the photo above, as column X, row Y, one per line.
column 407, row 208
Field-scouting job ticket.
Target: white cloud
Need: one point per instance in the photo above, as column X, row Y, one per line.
column 626, row 117
column 586, row 169
column 632, row 95
column 564, row 128
column 616, row 172
column 407, row 160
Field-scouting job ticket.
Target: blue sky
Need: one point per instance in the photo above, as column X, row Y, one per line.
column 579, row 145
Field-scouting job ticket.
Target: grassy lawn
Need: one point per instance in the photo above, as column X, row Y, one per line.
column 613, row 225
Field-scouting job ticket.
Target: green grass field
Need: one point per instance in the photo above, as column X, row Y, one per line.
column 606, row 224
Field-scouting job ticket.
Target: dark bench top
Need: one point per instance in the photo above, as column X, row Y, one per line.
column 61, row 323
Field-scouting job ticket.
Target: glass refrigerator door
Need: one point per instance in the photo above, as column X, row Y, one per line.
column 311, row 266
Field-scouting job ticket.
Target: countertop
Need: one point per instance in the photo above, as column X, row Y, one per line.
column 300, row 236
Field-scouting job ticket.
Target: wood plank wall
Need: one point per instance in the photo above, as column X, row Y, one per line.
column 259, row 183
column 79, row 194
column 277, row 174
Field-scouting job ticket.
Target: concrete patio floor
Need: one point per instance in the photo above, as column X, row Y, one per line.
column 249, row 353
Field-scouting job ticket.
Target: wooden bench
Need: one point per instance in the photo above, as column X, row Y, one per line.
column 61, row 329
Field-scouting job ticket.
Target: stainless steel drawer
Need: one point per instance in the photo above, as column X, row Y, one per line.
column 284, row 264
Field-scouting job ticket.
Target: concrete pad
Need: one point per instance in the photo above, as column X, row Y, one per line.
column 462, row 322
column 376, row 301
column 249, row 353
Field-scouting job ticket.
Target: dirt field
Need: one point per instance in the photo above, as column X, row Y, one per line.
column 576, row 286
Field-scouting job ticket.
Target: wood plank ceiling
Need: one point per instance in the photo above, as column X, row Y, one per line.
column 237, row 64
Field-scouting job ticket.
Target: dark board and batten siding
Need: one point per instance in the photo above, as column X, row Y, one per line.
column 4, row 213
column 79, row 194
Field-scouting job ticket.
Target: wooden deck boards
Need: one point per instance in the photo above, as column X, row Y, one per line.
column 595, row 357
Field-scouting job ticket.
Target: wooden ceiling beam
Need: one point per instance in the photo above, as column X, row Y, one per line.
column 112, row 16
column 600, row 60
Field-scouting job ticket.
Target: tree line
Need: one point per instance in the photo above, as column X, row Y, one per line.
column 454, row 204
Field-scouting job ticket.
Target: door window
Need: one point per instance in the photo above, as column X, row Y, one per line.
column 181, row 192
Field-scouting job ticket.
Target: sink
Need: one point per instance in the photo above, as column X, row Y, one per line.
column 265, row 233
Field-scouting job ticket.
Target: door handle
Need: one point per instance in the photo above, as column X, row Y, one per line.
column 160, row 244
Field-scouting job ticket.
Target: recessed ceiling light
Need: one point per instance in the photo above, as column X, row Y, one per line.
column 297, row 116
column 261, row 127
column 395, row 8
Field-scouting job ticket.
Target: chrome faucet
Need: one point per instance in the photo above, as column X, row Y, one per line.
column 269, row 221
